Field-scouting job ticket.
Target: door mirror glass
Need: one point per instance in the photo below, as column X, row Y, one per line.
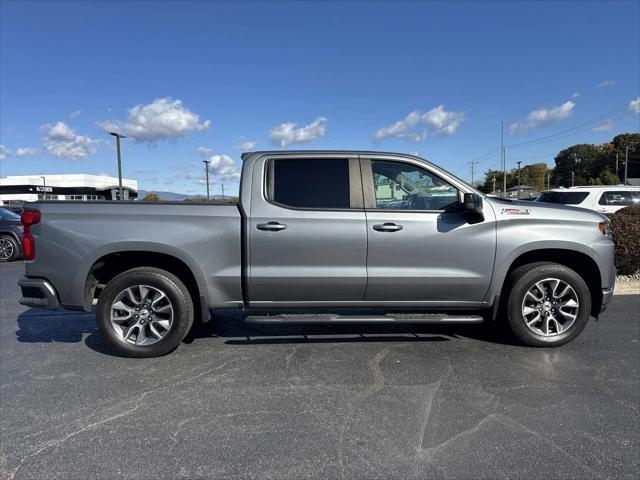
column 472, row 206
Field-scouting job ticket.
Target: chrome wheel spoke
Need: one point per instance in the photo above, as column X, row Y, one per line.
column 155, row 332
column 571, row 303
column 163, row 308
column 158, row 298
column 534, row 319
column 165, row 324
column 141, row 335
column 129, row 331
column 567, row 314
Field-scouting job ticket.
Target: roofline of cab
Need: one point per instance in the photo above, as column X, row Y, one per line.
column 357, row 153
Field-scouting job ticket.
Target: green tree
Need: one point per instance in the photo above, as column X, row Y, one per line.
column 578, row 160
column 151, row 197
column 607, row 177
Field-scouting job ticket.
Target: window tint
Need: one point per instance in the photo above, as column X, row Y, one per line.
column 310, row 183
column 8, row 215
column 403, row 186
column 566, row 198
column 620, row 198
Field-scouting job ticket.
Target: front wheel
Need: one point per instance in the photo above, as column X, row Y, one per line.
column 144, row 312
column 548, row 305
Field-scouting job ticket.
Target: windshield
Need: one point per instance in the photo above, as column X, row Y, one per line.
column 8, row 215
column 566, row 198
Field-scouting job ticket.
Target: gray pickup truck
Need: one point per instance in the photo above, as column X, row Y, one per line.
column 325, row 232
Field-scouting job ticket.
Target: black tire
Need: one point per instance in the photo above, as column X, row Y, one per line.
column 10, row 247
column 177, row 294
column 525, row 277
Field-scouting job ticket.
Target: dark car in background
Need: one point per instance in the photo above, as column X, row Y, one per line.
column 10, row 235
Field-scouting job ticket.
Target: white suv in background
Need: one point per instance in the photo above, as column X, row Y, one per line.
column 605, row 199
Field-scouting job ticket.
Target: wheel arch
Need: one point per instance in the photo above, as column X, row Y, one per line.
column 111, row 264
column 580, row 262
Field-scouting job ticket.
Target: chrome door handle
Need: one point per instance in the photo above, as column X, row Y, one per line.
column 387, row 227
column 271, row 226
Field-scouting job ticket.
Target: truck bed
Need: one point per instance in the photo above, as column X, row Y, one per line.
column 72, row 236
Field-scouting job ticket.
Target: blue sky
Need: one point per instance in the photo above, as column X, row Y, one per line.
column 202, row 80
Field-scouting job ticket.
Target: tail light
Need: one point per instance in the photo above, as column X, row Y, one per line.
column 29, row 217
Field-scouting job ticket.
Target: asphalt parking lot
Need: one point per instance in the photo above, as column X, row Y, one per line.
column 355, row 402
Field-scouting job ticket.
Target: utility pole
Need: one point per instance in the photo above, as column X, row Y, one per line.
column 206, row 172
column 494, row 184
column 519, row 162
column 118, row 137
column 617, row 166
column 573, row 176
column 504, row 161
column 548, row 180
column 44, row 187
column 222, row 191
column 472, row 165
column 626, row 164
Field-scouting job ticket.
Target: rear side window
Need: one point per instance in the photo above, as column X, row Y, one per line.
column 566, row 198
column 620, row 198
column 309, row 183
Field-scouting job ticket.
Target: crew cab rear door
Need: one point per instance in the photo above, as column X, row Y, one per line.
column 421, row 249
column 307, row 235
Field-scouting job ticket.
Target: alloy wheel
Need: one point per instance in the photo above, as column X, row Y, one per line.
column 6, row 249
column 550, row 307
column 141, row 315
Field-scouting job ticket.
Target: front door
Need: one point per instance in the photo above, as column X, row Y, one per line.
column 421, row 248
column 307, row 232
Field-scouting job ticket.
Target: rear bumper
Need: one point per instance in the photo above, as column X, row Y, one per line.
column 38, row 293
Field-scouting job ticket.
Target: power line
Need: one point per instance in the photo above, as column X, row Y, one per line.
column 573, row 130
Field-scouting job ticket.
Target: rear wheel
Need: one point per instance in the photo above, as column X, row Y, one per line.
column 548, row 305
column 144, row 312
column 8, row 248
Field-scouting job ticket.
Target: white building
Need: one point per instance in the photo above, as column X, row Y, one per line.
column 77, row 186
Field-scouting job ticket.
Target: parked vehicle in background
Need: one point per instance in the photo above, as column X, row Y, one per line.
column 329, row 230
column 605, row 199
column 10, row 235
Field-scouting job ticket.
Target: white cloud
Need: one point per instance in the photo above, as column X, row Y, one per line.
column 26, row 151
column 604, row 126
column 414, row 126
column 543, row 116
column 4, row 152
column 223, row 167
column 245, row 144
column 634, row 105
column 204, row 152
column 75, row 113
column 575, row 95
column 442, row 122
column 606, row 83
column 163, row 119
column 63, row 142
column 287, row 133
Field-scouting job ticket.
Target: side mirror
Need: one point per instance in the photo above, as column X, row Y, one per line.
column 472, row 208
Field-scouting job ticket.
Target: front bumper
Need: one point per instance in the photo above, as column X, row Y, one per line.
column 607, row 293
column 38, row 293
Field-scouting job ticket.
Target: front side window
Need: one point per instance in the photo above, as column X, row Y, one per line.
column 620, row 198
column 407, row 187
column 309, row 183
